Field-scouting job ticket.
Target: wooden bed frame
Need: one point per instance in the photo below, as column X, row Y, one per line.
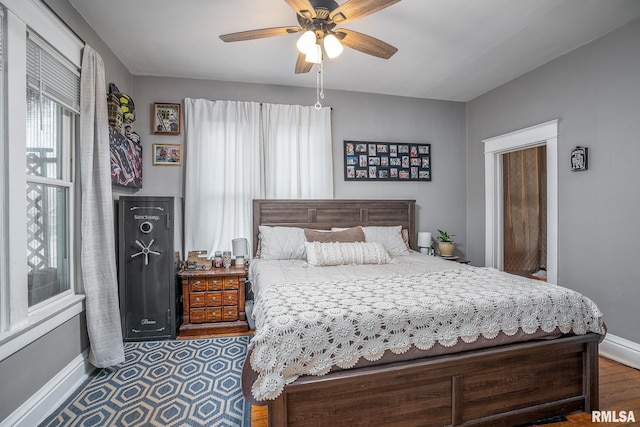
column 505, row 385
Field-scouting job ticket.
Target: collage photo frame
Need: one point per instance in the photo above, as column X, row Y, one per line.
column 386, row 161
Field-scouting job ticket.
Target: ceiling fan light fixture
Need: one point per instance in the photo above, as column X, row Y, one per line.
column 332, row 46
column 314, row 55
column 307, row 42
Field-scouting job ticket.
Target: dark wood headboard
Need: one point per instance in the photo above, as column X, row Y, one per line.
column 324, row 214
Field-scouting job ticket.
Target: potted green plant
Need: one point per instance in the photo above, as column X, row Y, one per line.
column 446, row 245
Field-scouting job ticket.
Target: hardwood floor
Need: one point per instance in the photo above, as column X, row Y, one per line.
column 259, row 416
column 619, row 391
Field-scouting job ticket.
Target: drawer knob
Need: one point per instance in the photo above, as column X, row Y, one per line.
column 198, row 283
column 230, row 313
column 231, row 281
column 197, row 300
column 230, row 299
column 215, row 282
column 213, row 300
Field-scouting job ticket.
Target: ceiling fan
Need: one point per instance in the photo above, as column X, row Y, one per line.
column 318, row 19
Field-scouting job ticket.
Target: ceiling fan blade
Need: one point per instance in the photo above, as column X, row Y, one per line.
column 259, row 34
column 356, row 9
column 365, row 44
column 303, row 8
column 303, row 66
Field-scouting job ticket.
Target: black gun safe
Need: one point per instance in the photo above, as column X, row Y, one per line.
column 146, row 268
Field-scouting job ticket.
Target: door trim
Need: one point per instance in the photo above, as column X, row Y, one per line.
column 544, row 134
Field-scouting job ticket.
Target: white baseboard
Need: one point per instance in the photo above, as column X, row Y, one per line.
column 52, row 395
column 621, row 350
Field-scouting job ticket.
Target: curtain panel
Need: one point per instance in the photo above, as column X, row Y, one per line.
column 222, row 171
column 297, row 152
column 98, row 254
column 525, row 201
column 240, row 151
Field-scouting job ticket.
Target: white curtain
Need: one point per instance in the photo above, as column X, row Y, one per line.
column 297, row 152
column 98, row 255
column 222, row 172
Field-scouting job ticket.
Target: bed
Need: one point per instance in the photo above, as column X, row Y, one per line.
column 503, row 378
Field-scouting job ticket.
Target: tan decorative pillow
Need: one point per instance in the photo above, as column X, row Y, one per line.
column 349, row 235
column 391, row 237
column 405, row 238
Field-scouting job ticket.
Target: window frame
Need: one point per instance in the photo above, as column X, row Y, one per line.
column 19, row 324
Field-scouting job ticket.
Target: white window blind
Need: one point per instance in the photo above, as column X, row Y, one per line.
column 51, row 74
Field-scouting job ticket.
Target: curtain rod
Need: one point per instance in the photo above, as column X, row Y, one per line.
column 57, row 15
column 331, row 108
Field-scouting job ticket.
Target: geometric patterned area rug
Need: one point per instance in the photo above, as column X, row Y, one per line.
column 164, row 383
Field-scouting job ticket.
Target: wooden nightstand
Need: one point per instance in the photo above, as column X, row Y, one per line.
column 456, row 259
column 213, row 302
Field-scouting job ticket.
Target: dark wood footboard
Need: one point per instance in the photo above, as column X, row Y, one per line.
column 500, row 386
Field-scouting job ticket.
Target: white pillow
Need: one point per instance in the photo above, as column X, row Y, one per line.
column 325, row 254
column 390, row 237
column 281, row 243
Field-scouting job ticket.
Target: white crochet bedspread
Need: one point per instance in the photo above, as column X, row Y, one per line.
column 305, row 329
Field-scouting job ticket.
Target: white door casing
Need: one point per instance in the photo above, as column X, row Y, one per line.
column 543, row 134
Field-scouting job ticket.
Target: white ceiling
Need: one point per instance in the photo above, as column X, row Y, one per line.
column 447, row 49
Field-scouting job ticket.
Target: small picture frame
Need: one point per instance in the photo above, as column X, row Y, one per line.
column 166, row 118
column 167, row 154
column 579, row 159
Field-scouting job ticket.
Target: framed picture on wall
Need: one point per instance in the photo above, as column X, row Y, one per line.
column 579, row 159
column 166, row 118
column 386, row 161
column 167, row 154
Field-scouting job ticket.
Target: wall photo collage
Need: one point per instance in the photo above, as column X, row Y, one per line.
column 387, row 161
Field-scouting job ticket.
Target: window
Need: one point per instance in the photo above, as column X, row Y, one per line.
column 53, row 90
column 39, row 116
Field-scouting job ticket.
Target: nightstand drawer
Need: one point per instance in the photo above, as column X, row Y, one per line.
column 230, row 313
column 231, row 282
column 197, row 315
column 214, row 299
column 198, row 284
column 215, row 284
column 198, row 299
column 230, row 298
column 214, row 314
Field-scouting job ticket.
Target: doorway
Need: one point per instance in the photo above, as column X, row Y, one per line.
column 524, row 189
column 542, row 135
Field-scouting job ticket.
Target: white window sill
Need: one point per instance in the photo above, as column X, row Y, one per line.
column 40, row 323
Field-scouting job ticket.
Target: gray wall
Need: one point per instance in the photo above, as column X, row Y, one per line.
column 26, row 371
column 115, row 71
column 356, row 116
column 594, row 91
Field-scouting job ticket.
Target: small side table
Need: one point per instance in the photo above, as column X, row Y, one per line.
column 213, row 302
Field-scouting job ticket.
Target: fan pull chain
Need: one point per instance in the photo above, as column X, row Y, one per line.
column 319, row 82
